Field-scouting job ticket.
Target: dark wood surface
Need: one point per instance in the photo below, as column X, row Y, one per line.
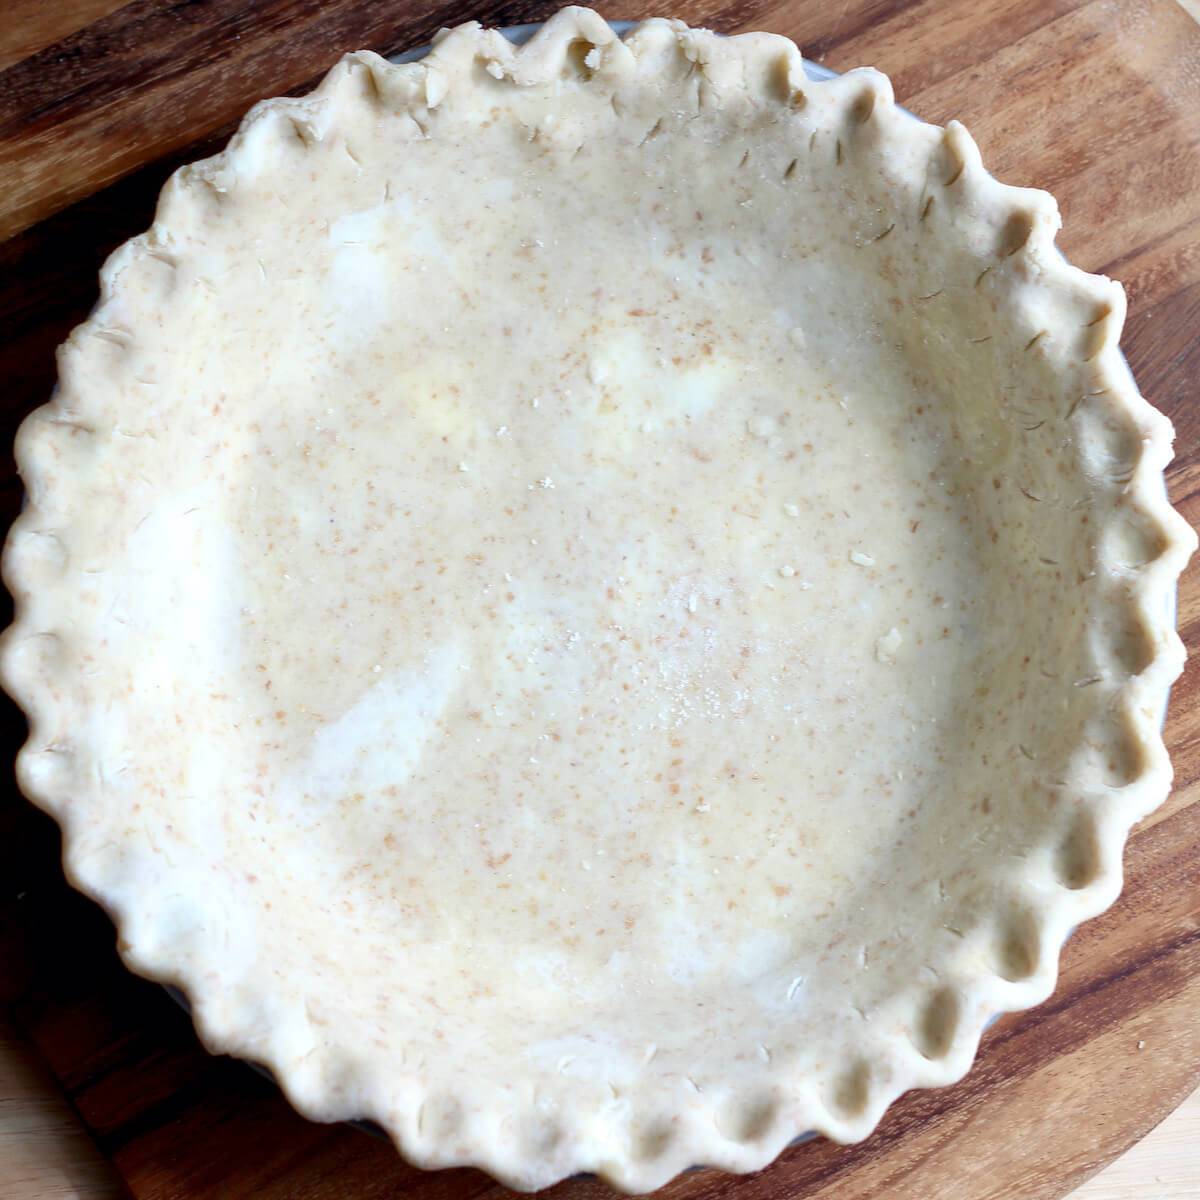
column 1097, row 101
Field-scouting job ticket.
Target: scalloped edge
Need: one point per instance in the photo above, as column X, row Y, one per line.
column 1040, row 917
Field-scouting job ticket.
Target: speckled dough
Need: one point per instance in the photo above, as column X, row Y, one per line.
column 601, row 605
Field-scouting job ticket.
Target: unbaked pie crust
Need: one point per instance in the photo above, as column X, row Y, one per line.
column 601, row 605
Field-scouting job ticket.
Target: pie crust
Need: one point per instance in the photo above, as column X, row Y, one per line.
column 601, row 605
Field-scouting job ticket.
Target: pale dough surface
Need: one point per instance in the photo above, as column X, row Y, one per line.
column 608, row 572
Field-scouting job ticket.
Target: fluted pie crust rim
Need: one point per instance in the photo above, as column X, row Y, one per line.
column 1011, row 229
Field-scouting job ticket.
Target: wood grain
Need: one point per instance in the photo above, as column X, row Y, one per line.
column 1165, row 1164
column 32, row 25
column 45, row 1152
column 1096, row 100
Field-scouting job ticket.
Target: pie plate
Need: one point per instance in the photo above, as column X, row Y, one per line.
column 597, row 604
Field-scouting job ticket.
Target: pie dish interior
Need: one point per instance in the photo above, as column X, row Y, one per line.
column 600, row 605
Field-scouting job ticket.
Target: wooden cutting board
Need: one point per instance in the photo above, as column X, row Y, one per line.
column 1097, row 101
